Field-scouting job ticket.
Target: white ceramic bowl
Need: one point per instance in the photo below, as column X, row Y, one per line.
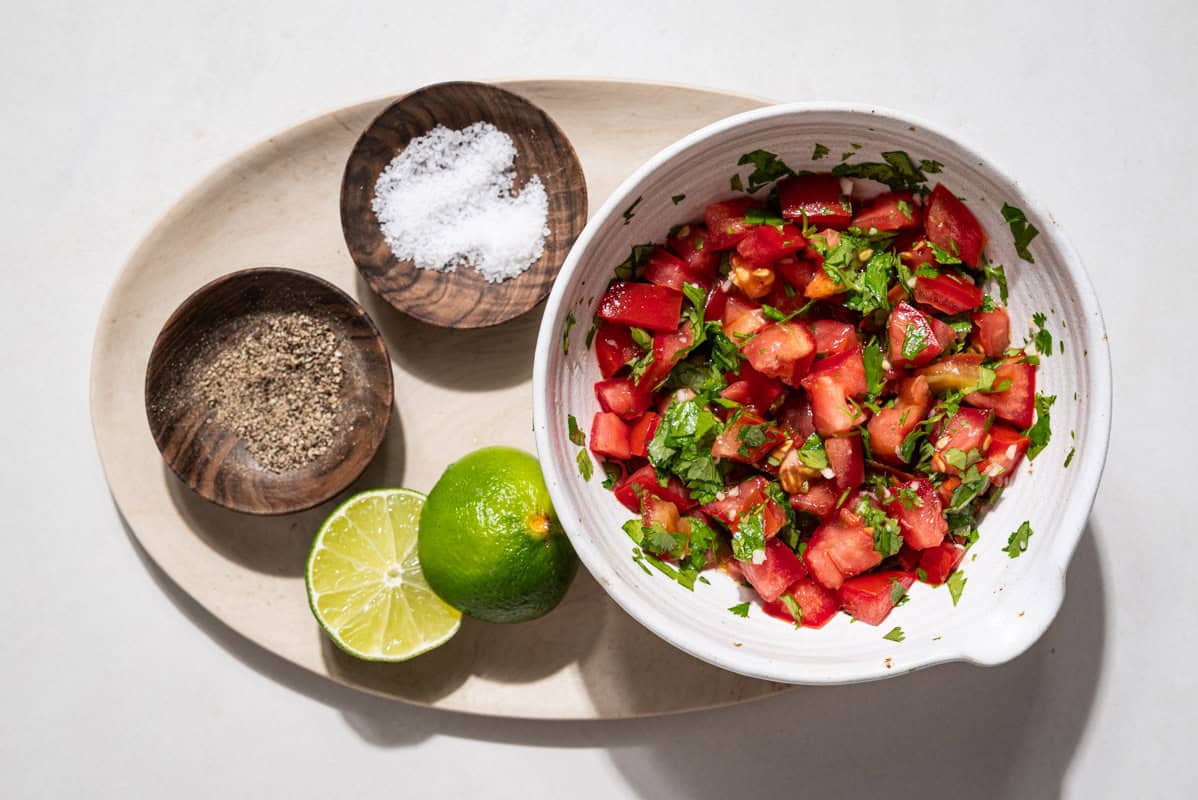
column 1007, row 603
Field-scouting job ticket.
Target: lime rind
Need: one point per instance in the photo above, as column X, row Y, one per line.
column 361, row 610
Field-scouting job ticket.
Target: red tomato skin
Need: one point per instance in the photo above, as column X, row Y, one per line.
column 1006, row 451
column 846, row 368
column 742, row 319
column 830, row 386
column 965, row 431
column 641, row 305
column 908, row 557
column 817, row 604
column 614, row 348
column 646, row 479
column 846, row 457
column 890, row 426
column 726, row 224
column 870, row 598
column 922, row 526
column 1017, row 404
column 884, row 214
column 609, row 436
column 833, row 336
column 951, row 226
column 798, row 272
column 818, row 197
column 765, row 244
column 667, row 349
column 717, row 302
column 641, row 434
column 904, row 315
column 624, row 397
column 819, row 499
column 780, row 350
column 655, row 511
column 991, row 331
column 728, row 445
column 795, row 417
column 666, row 269
column 839, row 550
column 763, row 389
column 938, row 562
column 777, row 573
column 948, row 293
column 692, row 248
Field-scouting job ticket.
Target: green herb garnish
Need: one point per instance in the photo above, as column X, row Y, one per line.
column 896, row 635
column 740, row 609
column 1017, row 542
column 1021, row 229
column 956, row 585
column 1041, row 432
column 767, row 168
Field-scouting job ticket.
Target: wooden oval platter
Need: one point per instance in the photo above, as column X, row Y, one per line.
column 455, row 390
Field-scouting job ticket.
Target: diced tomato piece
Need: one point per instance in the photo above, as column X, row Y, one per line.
column 609, row 436
column 729, row 445
column 642, row 305
column 742, row 318
column 991, row 331
column 782, row 350
column 661, row 513
column 667, row 349
column 717, row 302
column 614, row 348
column 947, row 489
column 953, row 227
column 622, row 396
column 948, row 292
column 645, row 480
column 666, row 269
column 958, row 372
column 641, row 434
column 739, row 392
column 890, row 426
column 908, row 557
column 839, row 550
column 773, row 576
column 726, row 224
column 817, row 604
column 938, row 562
column 765, row 244
column 916, row 507
column 764, row 390
column 892, row 211
column 832, row 336
column 1017, row 403
column 916, row 254
column 816, row 197
column 797, row 272
column 689, row 243
column 846, row 457
column 819, row 499
column 847, row 368
column 1006, row 450
column 907, row 320
column 871, row 597
column 965, row 431
column 742, row 499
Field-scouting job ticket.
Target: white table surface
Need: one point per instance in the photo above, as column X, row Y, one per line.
column 114, row 685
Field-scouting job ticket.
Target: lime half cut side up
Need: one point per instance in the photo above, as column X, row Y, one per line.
column 365, row 585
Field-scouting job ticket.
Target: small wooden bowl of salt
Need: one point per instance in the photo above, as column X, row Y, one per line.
column 460, row 202
column 268, row 391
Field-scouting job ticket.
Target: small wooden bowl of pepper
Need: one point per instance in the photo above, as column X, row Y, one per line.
column 268, row 391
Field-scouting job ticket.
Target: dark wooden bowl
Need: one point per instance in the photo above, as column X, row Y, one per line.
column 211, row 459
column 462, row 298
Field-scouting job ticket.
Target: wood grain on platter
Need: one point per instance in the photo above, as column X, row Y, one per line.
column 455, row 390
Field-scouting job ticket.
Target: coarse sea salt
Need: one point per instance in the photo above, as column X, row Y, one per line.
column 448, row 199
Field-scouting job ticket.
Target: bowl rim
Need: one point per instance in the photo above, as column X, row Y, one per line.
column 1049, row 574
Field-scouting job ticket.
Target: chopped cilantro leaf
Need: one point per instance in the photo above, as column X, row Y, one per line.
column 632, row 266
column 997, row 274
column 591, row 333
column 740, row 609
column 896, row 635
column 943, row 256
column 915, row 340
column 874, row 375
column 819, row 152
column 585, row 468
column 735, row 183
column 570, row 322
column 611, row 473
column 887, row 539
column 695, row 294
column 1041, row 432
column 792, row 605
column 1043, row 336
column 752, row 437
column 956, row 585
column 767, row 168
column 897, row 591
column 678, row 198
column 631, row 210
column 928, row 165
column 1069, row 458
column 682, row 445
column 642, row 337
column 1017, row 542
column 896, row 170
column 812, row 453
column 1023, row 231
column 576, row 435
column 749, row 537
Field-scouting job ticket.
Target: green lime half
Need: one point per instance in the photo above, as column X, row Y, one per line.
column 365, row 585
